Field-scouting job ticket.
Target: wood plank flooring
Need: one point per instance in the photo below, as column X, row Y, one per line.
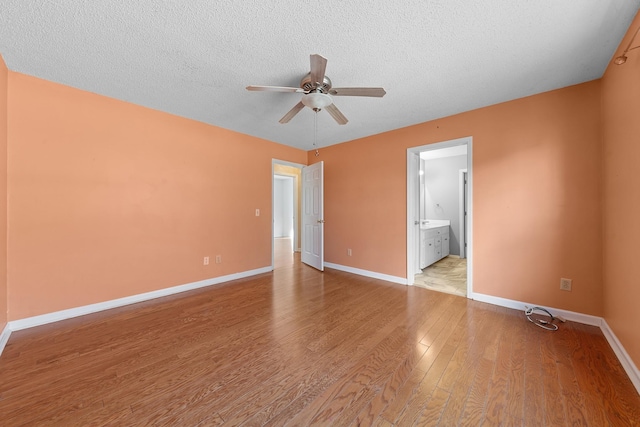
column 300, row 347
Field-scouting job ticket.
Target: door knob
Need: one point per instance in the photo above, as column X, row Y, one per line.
column 321, row 221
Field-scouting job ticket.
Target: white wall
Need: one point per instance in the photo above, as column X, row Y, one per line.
column 283, row 206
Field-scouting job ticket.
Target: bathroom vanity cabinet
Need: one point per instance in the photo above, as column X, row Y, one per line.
column 434, row 244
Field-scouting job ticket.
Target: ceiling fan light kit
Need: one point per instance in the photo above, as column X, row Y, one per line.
column 316, row 100
column 317, row 90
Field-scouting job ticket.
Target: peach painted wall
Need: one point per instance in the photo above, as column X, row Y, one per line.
column 537, row 210
column 621, row 203
column 3, row 193
column 109, row 199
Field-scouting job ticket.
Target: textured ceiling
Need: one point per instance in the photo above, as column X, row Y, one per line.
column 194, row 58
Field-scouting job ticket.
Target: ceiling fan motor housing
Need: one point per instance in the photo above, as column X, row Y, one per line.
column 309, row 86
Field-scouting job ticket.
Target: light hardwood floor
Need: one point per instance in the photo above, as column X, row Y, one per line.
column 300, row 347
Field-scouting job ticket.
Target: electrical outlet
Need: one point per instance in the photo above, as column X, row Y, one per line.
column 257, row 212
column 349, row 252
column 565, row 284
column 218, row 259
column 205, row 261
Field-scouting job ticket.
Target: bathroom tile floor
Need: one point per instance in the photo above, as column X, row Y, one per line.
column 448, row 275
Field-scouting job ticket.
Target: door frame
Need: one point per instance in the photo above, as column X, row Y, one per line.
column 463, row 202
column 412, row 188
column 296, row 202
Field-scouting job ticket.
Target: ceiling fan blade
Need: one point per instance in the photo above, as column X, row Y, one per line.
column 377, row 92
column 318, row 67
column 274, row 89
column 336, row 114
column 295, row 110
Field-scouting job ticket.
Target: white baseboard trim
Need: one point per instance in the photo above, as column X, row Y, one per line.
column 585, row 319
column 43, row 319
column 625, row 360
column 367, row 273
column 630, row 368
column 4, row 337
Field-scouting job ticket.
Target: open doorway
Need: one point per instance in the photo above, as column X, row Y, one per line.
column 283, row 218
column 286, row 197
column 439, row 216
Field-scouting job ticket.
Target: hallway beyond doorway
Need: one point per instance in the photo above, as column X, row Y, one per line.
column 284, row 255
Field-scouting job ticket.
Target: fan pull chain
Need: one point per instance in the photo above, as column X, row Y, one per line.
column 315, row 131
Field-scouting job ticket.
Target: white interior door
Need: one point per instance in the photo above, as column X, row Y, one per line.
column 413, row 215
column 313, row 215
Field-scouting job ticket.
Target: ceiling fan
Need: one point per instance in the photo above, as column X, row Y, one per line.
column 318, row 92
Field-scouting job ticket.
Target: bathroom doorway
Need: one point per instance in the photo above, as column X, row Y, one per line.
column 439, row 216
